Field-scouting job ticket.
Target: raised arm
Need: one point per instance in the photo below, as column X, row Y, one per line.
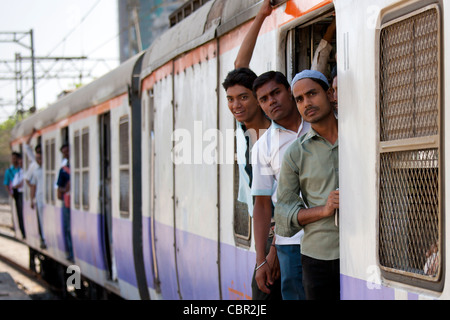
column 248, row 45
column 28, row 149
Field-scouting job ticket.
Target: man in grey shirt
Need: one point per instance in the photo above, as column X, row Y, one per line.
column 311, row 168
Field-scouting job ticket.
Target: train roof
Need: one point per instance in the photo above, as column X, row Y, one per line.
column 213, row 19
column 103, row 89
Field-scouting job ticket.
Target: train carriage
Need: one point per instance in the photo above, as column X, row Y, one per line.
column 392, row 120
column 101, row 204
column 154, row 209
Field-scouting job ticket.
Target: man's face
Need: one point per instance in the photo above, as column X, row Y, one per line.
column 14, row 160
column 275, row 100
column 313, row 102
column 65, row 152
column 335, row 92
column 242, row 103
column 39, row 158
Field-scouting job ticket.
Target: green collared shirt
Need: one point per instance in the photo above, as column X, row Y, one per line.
column 309, row 172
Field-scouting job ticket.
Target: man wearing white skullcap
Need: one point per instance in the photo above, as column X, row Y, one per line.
column 311, row 168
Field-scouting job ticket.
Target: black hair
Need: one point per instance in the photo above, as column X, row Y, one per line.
column 38, row 149
column 241, row 76
column 323, row 84
column 17, row 154
column 63, row 146
column 276, row 76
column 333, row 73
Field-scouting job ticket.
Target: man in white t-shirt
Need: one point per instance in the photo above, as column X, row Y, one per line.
column 275, row 98
column 35, row 180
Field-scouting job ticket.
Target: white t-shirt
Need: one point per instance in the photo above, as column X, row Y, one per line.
column 267, row 157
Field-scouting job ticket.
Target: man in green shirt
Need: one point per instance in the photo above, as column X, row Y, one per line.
column 307, row 191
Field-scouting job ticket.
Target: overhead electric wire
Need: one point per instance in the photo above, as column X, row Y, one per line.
column 75, row 28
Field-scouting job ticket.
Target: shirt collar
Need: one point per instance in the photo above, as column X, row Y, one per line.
column 241, row 125
column 280, row 127
column 312, row 133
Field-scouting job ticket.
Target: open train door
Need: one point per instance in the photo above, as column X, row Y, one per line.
column 105, row 194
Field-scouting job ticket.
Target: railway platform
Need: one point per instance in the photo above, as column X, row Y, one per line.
column 9, row 290
column 14, row 284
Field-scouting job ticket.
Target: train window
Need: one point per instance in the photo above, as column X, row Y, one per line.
column 85, row 168
column 302, row 43
column 76, row 171
column 50, row 174
column 124, row 167
column 81, row 169
column 410, row 188
column 242, row 220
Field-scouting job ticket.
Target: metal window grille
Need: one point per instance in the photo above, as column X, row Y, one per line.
column 242, row 220
column 85, row 168
column 124, row 150
column 50, row 173
column 409, row 195
column 77, row 170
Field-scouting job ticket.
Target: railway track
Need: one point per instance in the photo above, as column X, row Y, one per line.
column 14, row 260
column 27, row 280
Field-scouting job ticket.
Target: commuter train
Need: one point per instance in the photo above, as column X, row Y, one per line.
column 152, row 151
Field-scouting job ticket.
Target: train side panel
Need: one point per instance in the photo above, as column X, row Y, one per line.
column 158, row 202
column 357, row 147
column 122, row 208
column 86, row 221
column 53, row 217
column 195, row 156
column 237, row 260
column 362, row 275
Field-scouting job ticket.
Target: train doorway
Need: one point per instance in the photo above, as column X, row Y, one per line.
column 105, row 194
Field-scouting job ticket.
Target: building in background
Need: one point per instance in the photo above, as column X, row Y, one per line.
column 142, row 21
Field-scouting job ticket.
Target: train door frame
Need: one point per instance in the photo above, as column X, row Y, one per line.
column 134, row 102
column 105, row 195
column 289, row 34
column 149, row 108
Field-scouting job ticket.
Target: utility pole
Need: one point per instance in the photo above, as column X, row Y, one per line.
column 37, row 69
column 33, row 73
column 18, row 38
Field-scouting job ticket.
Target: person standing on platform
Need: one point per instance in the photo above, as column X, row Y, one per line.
column 14, row 187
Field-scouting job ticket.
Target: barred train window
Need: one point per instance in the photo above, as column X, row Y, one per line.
column 242, row 220
column 76, row 184
column 81, row 169
column 85, row 168
column 50, row 173
column 410, row 154
column 124, row 167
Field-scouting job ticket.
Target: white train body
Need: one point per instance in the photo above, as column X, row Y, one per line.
column 168, row 144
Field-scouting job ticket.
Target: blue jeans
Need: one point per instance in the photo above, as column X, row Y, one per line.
column 67, row 234
column 291, row 272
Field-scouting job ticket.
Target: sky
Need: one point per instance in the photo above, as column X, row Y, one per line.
column 61, row 28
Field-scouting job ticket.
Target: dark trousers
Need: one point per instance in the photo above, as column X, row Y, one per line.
column 321, row 279
column 18, row 199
